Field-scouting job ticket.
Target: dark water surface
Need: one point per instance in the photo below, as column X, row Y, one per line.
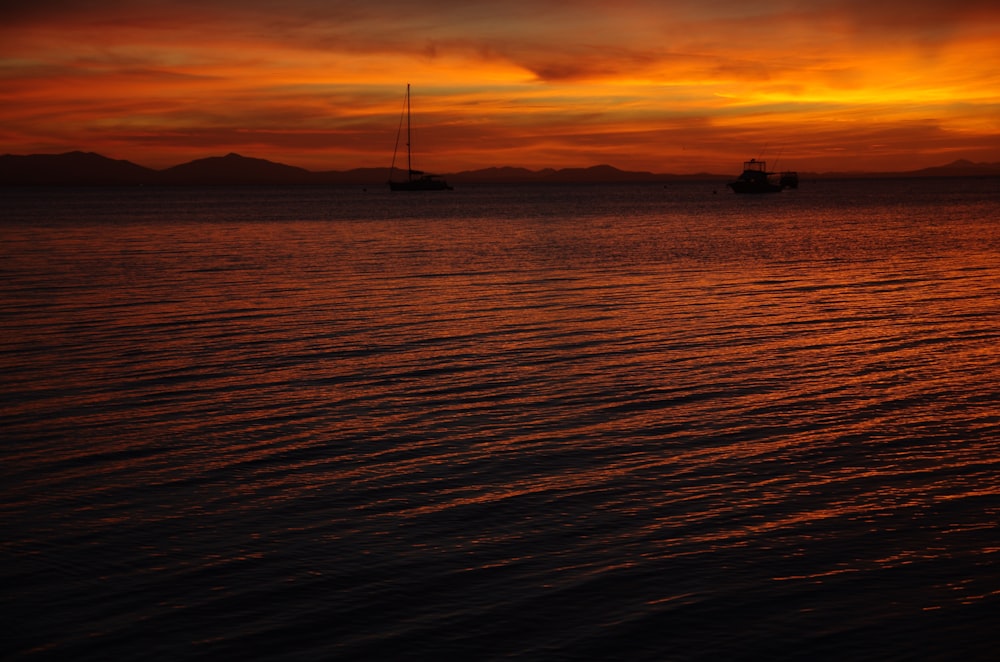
column 542, row 423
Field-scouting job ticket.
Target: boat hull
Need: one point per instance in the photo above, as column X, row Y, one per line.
column 740, row 186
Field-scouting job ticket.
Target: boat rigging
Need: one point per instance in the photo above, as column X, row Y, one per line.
column 416, row 180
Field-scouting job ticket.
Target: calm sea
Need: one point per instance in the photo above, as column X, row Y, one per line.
column 501, row 423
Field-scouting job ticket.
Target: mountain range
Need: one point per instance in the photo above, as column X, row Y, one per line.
column 90, row 169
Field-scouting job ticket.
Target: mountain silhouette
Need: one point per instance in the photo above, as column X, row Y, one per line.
column 962, row 168
column 90, row 169
column 72, row 168
column 235, row 169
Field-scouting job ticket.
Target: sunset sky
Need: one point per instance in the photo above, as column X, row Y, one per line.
column 818, row 85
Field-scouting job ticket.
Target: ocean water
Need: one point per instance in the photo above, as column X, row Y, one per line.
column 501, row 423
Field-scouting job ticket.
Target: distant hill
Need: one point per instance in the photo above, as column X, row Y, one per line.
column 355, row 177
column 960, row 168
column 499, row 176
column 234, row 169
column 602, row 174
column 89, row 169
column 72, row 168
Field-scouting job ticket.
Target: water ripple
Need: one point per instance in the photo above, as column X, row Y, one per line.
column 632, row 423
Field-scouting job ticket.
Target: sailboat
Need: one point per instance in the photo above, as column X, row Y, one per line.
column 416, row 180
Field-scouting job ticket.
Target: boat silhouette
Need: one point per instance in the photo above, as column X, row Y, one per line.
column 757, row 179
column 416, row 180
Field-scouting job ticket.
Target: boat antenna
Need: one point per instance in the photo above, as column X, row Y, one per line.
column 778, row 158
column 761, row 155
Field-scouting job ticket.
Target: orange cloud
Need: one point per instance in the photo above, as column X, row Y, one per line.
column 637, row 83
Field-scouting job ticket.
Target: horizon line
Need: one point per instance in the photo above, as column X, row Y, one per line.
column 987, row 167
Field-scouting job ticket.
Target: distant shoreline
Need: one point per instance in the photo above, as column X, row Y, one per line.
column 90, row 169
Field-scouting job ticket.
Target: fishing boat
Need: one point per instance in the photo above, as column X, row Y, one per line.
column 416, row 180
column 757, row 179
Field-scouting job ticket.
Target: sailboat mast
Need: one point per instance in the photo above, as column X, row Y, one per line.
column 409, row 164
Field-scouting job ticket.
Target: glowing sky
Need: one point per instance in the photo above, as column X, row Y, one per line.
column 638, row 84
